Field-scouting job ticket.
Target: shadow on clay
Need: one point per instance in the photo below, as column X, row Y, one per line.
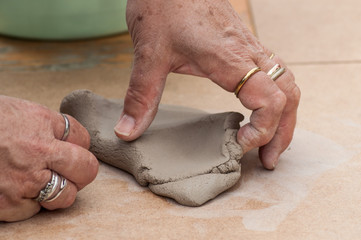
column 188, row 155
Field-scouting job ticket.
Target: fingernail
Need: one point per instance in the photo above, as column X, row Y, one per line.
column 125, row 126
column 274, row 164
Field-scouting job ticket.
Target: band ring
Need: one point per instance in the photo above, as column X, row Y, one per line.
column 276, row 71
column 272, row 56
column 53, row 188
column 273, row 70
column 67, row 127
column 245, row 78
column 49, row 188
column 63, row 183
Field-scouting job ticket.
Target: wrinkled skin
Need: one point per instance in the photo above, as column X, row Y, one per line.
column 30, row 148
column 207, row 38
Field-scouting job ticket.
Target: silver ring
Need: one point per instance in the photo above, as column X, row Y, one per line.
column 53, row 188
column 276, row 71
column 63, row 183
column 49, row 188
column 67, row 127
column 273, row 69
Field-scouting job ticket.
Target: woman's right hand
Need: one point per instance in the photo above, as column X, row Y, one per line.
column 30, row 148
column 207, row 38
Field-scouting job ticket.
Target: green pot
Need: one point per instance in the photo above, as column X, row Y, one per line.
column 62, row 19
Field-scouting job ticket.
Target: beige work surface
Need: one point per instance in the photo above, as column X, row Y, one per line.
column 313, row 194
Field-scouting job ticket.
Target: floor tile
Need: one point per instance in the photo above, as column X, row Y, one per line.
column 309, row 30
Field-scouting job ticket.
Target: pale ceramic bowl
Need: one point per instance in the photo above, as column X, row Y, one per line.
column 62, row 19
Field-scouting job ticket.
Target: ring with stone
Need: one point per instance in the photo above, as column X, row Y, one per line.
column 67, row 127
column 53, row 188
column 62, row 184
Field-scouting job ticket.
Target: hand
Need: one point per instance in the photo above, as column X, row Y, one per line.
column 207, row 38
column 30, row 148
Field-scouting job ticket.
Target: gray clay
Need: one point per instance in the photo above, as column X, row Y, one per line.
column 186, row 154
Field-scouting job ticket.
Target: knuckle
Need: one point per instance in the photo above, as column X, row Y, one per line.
column 279, row 100
column 291, row 75
column 36, row 148
column 254, row 137
column 75, row 153
column 78, row 134
column 34, row 182
column 137, row 95
column 264, row 135
column 41, row 111
column 144, row 53
column 91, row 168
column 295, row 95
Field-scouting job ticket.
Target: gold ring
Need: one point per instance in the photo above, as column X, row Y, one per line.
column 245, row 78
column 272, row 56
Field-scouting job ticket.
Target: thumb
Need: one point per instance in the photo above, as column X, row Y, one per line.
column 142, row 99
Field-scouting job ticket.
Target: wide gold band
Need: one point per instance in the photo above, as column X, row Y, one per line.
column 245, row 78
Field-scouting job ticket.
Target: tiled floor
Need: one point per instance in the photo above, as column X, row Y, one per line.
column 309, row 31
column 314, row 192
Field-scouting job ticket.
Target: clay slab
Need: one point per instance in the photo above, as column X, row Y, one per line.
column 186, row 154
